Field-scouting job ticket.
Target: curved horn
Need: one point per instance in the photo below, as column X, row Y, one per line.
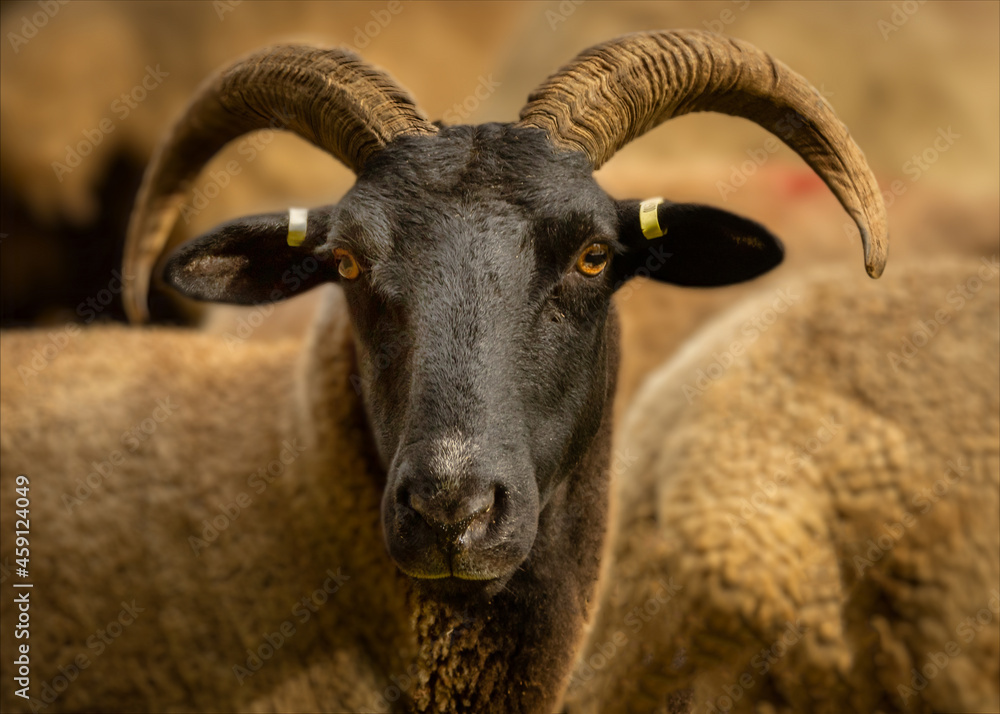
column 328, row 97
column 617, row 91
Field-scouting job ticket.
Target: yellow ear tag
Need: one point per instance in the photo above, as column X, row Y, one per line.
column 297, row 221
column 649, row 219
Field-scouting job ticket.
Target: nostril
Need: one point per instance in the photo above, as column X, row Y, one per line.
column 422, row 505
column 482, row 504
column 420, row 497
column 498, row 500
column 480, row 523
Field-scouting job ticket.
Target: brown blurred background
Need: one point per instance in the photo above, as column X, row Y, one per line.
column 88, row 88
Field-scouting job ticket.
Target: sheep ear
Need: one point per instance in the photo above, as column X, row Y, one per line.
column 692, row 245
column 257, row 259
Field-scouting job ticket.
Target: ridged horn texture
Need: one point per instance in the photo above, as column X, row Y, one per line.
column 329, row 97
column 618, row 90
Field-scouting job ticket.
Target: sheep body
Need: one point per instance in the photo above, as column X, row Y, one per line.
column 193, row 600
column 813, row 524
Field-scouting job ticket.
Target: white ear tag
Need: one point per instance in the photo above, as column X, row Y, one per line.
column 298, row 219
column 649, row 219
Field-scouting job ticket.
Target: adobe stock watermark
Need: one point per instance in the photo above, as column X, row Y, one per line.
column 914, row 168
column 122, row 108
column 655, row 260
column 900, row 15
column 302, row 612
column 922, row 502
column 966, row 631
column 249, row 149
column 218, row 180
column 919, row 164
column 257, row 482
column 401, row 684
column 633, row 623
column 562, row 12
column 706, row 377
column 376, row 363
column 88, row 311
column 957, row 298
column 785, row 128
column 32, row 24
column 292, row 280
column 247, row 324
column 363, row 36
column 461, row 111
column 795, row 459
column 131, row 439
column 726, row 17
column 224, row 7
column 43, row 355
column 621, row 461
column 762, row 662
column 97, row 644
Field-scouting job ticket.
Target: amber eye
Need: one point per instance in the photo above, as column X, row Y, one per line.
column 347, row 265
column 594, row 259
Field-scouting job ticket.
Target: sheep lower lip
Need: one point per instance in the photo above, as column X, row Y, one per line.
column 450, row 575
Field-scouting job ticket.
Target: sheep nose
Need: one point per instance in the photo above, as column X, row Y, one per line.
column 460, row 520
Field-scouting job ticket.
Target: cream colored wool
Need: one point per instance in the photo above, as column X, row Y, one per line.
column 803, row 504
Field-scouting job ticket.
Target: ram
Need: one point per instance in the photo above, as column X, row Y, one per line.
column 817, row 528
column 408, row 509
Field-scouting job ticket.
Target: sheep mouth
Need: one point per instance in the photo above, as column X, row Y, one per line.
column 458, row 590
column 451, row 575
column 444, row 565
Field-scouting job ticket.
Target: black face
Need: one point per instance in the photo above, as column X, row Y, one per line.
column 479, row 309
column 478, row 265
